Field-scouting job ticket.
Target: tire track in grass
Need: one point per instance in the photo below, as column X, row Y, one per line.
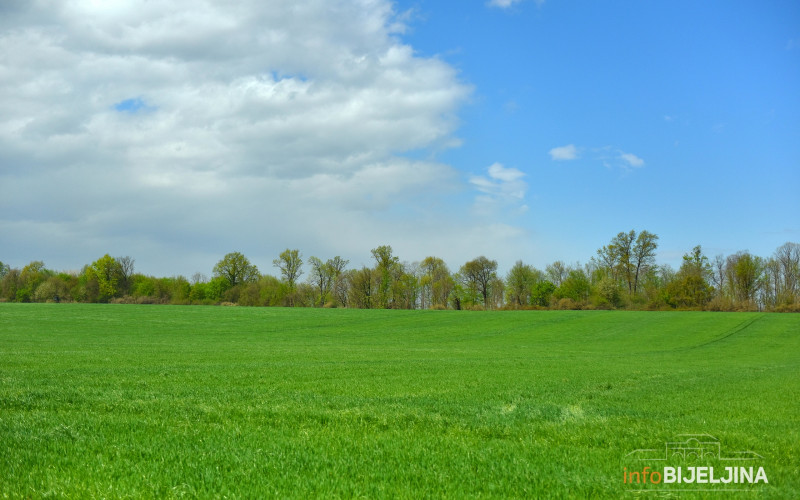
column 738, row 328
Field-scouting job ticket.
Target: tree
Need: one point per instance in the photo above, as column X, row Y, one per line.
column 384, row 264
column 628, row 256
column 691, row 287
column 10, row 284
column 556, row 272
column 718, row 274
column 435, row 282
column 643, row 255
column 479, row 275
column 787, row 257
column 405, row 286
column 290, row 263
column 608, row 289
column 321, row 277
column 362, row 287
column 32, row 275
column 519, row 283
column 744, row 276
column 541, row 293
column 608, row 259
column 340, row 287
column 103, row 277
column 623, row 243
column 575, row 287
column 236, row 269
column 125, row 273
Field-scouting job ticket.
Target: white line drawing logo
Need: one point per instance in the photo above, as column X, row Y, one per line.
column 692, row 447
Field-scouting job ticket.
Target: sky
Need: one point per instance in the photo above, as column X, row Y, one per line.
column 177, row 131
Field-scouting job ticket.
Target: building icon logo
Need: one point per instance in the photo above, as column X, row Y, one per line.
column 694, row 460
column 692, row 447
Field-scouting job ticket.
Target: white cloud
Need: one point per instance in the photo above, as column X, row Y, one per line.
column 503, row 188
column 504, row 4
column 184, row 129
column 631, row 160
column 568, row 152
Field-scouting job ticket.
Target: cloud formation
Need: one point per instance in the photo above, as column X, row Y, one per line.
column 568, row 152
column 503, row 188
column 191, row 129
column 631, row 160
column 608, row 155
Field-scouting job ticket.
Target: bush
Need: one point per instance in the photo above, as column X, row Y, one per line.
column 787, row 308
column 565, row 304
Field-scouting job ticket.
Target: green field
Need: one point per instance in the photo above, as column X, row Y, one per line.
column 159, row 401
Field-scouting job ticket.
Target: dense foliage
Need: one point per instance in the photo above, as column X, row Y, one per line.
column 622, row 275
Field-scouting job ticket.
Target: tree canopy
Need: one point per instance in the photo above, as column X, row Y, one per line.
column 622, row 274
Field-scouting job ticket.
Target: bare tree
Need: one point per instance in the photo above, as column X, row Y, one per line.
column 788, row 259
column 125, row 273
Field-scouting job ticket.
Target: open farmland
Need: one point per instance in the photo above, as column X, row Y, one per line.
column 137, row 401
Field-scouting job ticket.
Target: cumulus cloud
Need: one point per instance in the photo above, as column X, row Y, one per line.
column 190, row 129
column 568, row 152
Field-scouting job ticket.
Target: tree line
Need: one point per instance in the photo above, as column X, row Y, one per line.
column 621, row 275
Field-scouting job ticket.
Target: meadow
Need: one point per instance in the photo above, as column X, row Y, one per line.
column 122, row 401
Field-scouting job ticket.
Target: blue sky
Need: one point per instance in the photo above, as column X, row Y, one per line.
column 176, row 132
column 705, row 93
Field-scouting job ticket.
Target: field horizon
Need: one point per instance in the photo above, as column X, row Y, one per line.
column 183, row 401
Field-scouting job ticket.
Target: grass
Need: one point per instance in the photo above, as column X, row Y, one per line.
column 166, row 402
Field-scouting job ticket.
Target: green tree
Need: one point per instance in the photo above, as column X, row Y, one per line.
column 363, row 285
column 10, row 284
column 404, row 291
column 479, row 275
column 32, row 275
column 643, row 256
column 385, row 264
column 321, row 277
column 103, row 276
column 744, row 278
column 691, row 287
column 608, row 289
column 608, row 260
column 236, row 269
column 340, row 288
column 623, row 246
column 519, row 283
column 541, row 293
column 576, row 287
column 290, row 263
column 436, row 283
